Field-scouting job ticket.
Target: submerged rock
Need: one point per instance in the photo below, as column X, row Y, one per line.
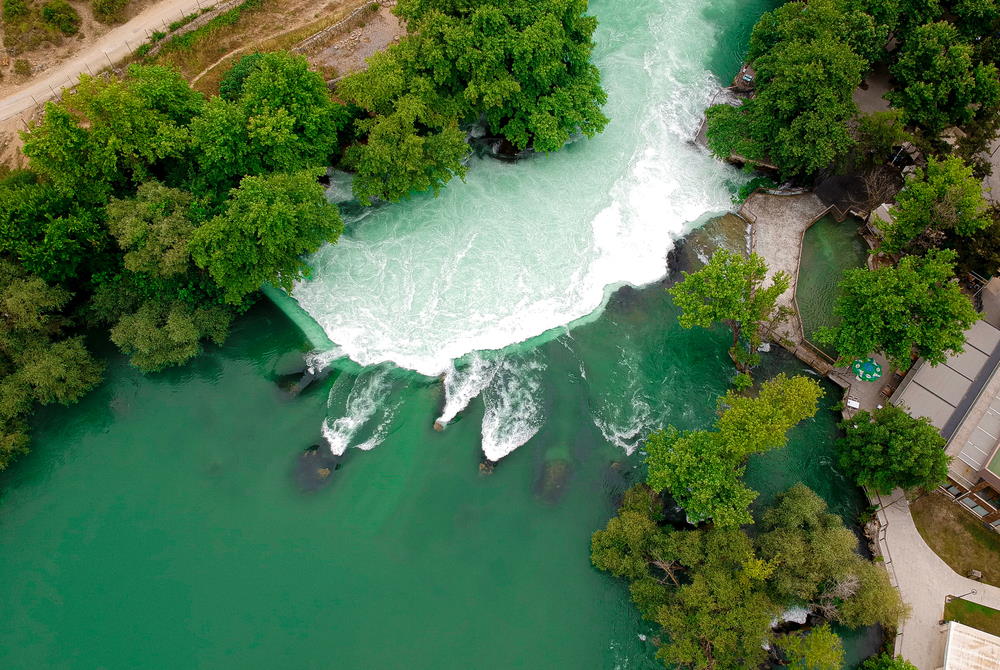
column 314, row 467
column 552, row 480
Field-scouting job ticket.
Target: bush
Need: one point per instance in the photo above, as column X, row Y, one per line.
column 108, row 10
column 13, row 9
column 60, row 14
column 887, row 662
column 143, row 49
column 22, row 67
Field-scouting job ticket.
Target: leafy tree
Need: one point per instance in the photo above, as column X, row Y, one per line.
column 824, row 20
column 818, row 649
column 888, row 448
column 808, row 544
column 276, row 116
column 915, row 13
column 46, row 232
column 702, row 469
column 161, row 334
column 980, row 253
column 945, row 199
column 874, row 600
column 915, row 307
column 730, row 289
column 109, row 135
column 939, row 82
column 267, row 225
column 39, row 362
column 887, row 662
column 61, row 15
column 154, row 229
column 879, row 133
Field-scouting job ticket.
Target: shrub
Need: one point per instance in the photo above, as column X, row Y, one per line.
column 108, row 10
column 22, row 67
column 60, row 14
column 143, row 49
column 13, row 9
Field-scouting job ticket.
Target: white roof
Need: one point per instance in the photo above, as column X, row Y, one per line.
column 967, row 648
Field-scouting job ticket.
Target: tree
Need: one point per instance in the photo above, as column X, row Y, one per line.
column 914, row 307
column 818, row 649
column 165, row 333
column 874, row 601
column 730, row 289
column 879, row 133
column 824, row 20
column 39, row 362
column 887, row 662
column 276, row 116
column 267, row 225
column 888, row 449
column 943, row 200
column 980, row 253
column 109, row 135
column 702, row 469
column 154, row 230
column 939, row 82
column 808, row 544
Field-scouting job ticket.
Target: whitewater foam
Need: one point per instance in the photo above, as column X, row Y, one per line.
column 365, row 405
column 513, row 406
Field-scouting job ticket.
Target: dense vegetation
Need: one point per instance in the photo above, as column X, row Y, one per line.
column 703, row 469
column 888, row 449
column 157, row 213
column 715, row 591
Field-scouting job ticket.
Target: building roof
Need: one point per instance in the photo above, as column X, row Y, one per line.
column 967, row 648
column 945, row 393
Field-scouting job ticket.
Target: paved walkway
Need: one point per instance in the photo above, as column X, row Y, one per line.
column 924, row 580
column 112, row 47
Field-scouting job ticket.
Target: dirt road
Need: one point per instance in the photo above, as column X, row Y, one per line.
column 108, row 49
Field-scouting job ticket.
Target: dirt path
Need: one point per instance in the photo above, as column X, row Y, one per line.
column 112, row 47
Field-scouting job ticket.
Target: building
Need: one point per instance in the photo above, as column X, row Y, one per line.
column 961, row 397
column 966, row 648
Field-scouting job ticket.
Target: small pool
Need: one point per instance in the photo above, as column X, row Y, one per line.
column 828, row 249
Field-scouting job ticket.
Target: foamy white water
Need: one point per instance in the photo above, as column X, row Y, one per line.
column 461, row 386
column 513, row 406
column 358, row 404
column 519, row 249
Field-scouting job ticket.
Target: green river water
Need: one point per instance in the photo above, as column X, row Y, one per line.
column 161, row 523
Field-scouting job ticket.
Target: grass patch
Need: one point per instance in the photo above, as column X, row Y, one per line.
column 961, row 540
column 973, row 614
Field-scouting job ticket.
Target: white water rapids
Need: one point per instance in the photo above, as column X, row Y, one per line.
column 519, row 249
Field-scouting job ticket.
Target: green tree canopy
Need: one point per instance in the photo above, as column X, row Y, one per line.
column 914, row 307
column 942, row 200
column 730, row 289
column 817, row 649
column 268, row 224
column 109, row 135
column 702, row 469
column 887, row 662
column 154, row 229
column 161, row 333
column 940, row 84
column 821, row 20
column 888, row 449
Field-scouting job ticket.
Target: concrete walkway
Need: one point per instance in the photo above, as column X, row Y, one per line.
column 924, row 580
column 112, row 47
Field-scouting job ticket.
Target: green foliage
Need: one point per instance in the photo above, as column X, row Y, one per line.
column 40, row 363
column 889, row 449
column 879, row 133
column 267, row 225
column 523, row 68
column 943, row 200
column 730, row 289
column 61, row 15
column 940, row 84
column 702, row 469
column 915, row 307
column 277, row 116
column 108, row 11
column 715, row 592
column 22, row 67
column 980, row 253
column 143, row 49
column 808, row 62
column 887, row 662
column 161, row 334
column 809, row 545
column 818, row 649
column 154, row 230
column 14, row 9
column 108, row 136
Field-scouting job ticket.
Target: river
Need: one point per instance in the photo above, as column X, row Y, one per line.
column 173, row 521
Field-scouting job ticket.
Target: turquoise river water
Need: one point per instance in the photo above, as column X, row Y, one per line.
column 175, row 520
